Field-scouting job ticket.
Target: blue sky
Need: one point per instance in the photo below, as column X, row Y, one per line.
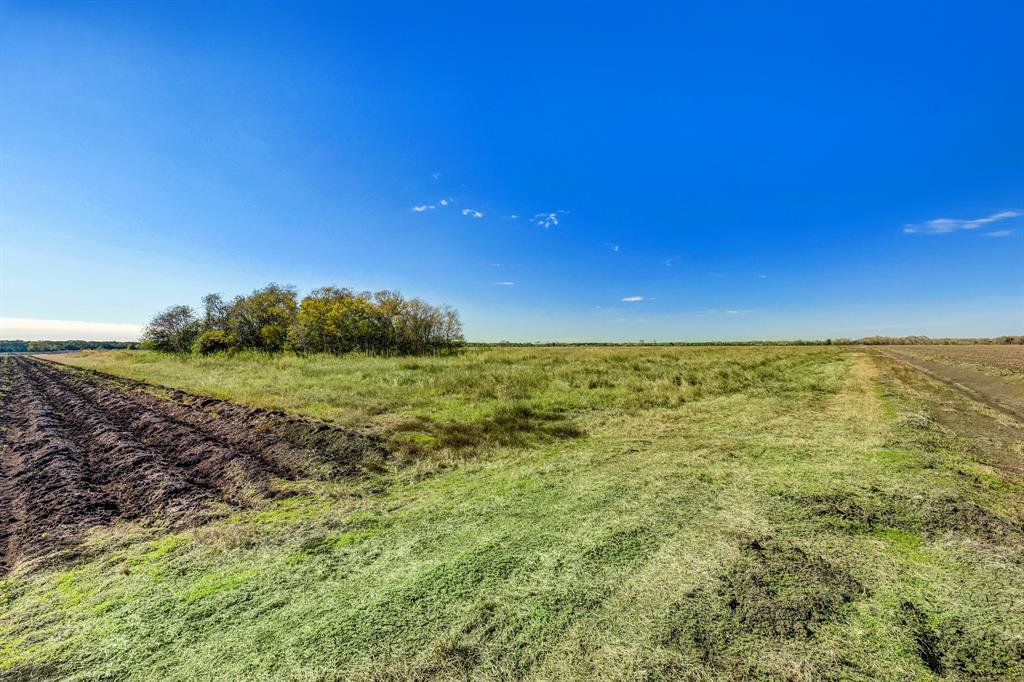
column 679, row 171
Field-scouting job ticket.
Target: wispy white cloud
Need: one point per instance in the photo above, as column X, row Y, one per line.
column 614, row 248
column 505, row 284
column 998, row 233
column 635, row 299
column 436, row 175
column 548, row 219
column 430, row 207
column 947, row 225
column 513, row 217
column 737, row 312
column 762, row 276
column 668, row 262
column 472, row 212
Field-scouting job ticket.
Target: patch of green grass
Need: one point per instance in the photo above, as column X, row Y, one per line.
column 286, row 511
column 751, row 513
column 904, row 542
column 159, row 549
column 214, row 583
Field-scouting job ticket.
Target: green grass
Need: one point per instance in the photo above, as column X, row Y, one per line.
column 570, row 513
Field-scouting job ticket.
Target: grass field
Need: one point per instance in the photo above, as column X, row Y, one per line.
column 794, row 513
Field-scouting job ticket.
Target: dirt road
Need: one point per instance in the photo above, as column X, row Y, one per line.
column 1003, row 393
column 80, row 449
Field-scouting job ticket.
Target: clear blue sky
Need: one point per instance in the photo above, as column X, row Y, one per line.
column 738, row 170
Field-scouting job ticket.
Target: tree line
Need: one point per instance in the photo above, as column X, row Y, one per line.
column 327, row 320
column 927, row 341
column 19, row 346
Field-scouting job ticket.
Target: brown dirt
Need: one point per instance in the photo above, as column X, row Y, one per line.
column 774, row 596
column 82, row 449
column 951, row 415
column 780, row 590
column 997, row 360
column 1004, row 394
column 775, row 590
column 869, row 511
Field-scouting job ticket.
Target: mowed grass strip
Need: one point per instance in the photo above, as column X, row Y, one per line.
column 777, row 513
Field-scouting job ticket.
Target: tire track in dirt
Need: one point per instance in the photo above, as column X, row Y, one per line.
column 80, row 449
column 1004, row 395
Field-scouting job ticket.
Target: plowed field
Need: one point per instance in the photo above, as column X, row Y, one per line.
column 82, row 449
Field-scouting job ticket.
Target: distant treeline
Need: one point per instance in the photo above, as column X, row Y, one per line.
column 866, row 341
column 328, row 320
column 18, row 346
column 925, row 341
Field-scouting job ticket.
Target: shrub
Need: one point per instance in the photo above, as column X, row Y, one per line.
column 214, row 341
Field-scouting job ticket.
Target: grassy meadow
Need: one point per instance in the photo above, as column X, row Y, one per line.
column 657, row 513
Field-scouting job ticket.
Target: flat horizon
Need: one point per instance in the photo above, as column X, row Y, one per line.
column 42, row 330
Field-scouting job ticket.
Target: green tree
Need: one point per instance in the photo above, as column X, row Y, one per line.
column 173, row 330
column 216, row 313
column 263, row 319
column 333, row 320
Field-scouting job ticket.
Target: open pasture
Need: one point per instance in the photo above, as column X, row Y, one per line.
column 545, row 513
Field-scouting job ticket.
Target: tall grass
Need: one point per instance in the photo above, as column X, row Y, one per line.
column 472, row 399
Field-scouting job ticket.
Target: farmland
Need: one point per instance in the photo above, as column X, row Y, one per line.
column 1006, row 361
column 547, row 513
column 991, row 374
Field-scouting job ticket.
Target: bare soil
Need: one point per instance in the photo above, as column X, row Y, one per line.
column 998, row 360
column 1002, row 393
column 775, row 590
column 81, row 449
column 929, row 516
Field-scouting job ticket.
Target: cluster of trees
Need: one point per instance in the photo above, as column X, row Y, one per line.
column 19, row 346
column 328, row 320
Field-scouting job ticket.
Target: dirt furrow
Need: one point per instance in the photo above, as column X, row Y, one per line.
column 81, row 449
column 126, row 434
column 301, row 447
column 6, row 513
column 49, row 494
column 140, row 478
